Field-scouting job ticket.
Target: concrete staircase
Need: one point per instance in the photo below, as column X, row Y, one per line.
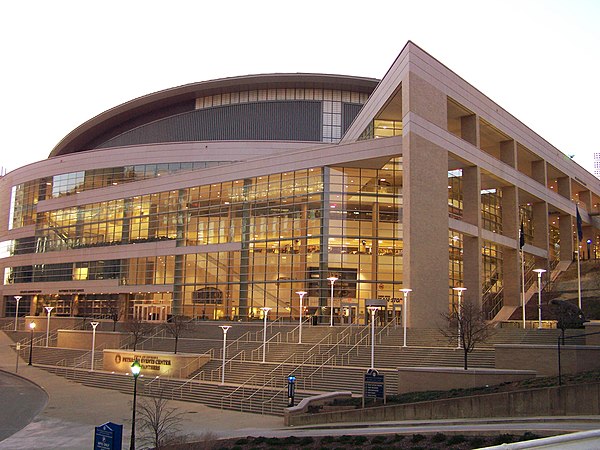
column 329, row 359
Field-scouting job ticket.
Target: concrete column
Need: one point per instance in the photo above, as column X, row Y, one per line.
column 567, row 243
column 471, row 182
column 511, row 259
column 375, row 248
column 512, row 277
column 540, row 225
column 508, row 152
column 469, row 129
column 538, row 171
column 585, row 198
column 425, row 225
column 425, row 212
column 472, row 268
column 564, row 187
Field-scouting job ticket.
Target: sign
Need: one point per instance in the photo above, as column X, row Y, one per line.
column 374, row 385
column 108, row 436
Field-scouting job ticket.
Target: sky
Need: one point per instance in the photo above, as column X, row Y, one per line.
column 64, row 62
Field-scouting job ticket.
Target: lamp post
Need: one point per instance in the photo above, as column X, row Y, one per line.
column 459, row 291
column 405, row 291
column 48, row 309
column 332, row 280
column 301, row 294
column 539, row 272
column 18, row 299
column 135, row 371
column 225, row 328
column 94, row 325
column 372, row 310
column 265, row 311
column 31, row 327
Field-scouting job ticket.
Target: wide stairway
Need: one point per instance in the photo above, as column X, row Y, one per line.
column 328, row 359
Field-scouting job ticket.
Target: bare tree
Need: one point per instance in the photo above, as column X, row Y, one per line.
column 176, row 325
column 137, row 328
column 159, row 423
column 467, row 326
column 116, row 312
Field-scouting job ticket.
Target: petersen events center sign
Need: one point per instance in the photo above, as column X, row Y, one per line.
column 163, row 364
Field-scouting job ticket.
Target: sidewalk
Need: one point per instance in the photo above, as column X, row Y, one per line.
column 73, row 410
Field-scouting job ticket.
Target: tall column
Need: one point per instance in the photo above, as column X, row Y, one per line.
column 472, row 261
column 245, row 252
column 564, row 187
column 540, row 225
column 374, row 248
column 538, row 171
column 508, row 153
column 425, row 211
column 469, row 129
column 511, row 260
column 567, row 242
column 324, row 286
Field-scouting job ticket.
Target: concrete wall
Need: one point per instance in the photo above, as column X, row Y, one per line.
column 557, row 401
column 544, row 358
column 592, row 327
column 415, row 379
column 83, row 339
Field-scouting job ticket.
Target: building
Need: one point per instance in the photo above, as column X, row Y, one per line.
column 216, row 199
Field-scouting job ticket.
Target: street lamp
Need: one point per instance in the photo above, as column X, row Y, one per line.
column 459, row 291
column 135, row 371
column 94, row 325
column 539, row 272
column 332, row 280
column 405, row 291
column 372, row 309
column 18, row 299
column 48, row 309
column 225, row 328
column 301, row 294
column 31, row 327
column 265, row 311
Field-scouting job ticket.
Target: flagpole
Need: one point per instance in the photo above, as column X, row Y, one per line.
column 523, row 286
column 521, row 245
column 579, row 223
column 578, row 276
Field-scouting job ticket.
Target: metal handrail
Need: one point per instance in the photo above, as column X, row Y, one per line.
column 276, row 337
column 241, row 356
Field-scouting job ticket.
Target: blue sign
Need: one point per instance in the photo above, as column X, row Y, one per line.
column 108, row 436
column 374, row 385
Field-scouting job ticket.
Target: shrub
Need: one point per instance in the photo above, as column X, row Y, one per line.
column 438, row 437
column 417, row 438
column 503, row 439
column 359, row 440
column 528, row 435
column 306, row 441
column 456, row 439
column 378, row 440
column 477, row 442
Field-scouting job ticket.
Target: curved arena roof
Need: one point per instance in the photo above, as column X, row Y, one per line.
column 172, row 115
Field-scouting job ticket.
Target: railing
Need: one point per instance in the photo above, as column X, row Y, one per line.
column 291, row 335
column 210, row 353
column 241, row 356
column 276, row 338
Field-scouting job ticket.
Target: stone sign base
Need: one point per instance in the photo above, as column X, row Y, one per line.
column 163, row 364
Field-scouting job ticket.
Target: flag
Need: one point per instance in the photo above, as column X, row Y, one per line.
column 579, row 225
column 521, row 236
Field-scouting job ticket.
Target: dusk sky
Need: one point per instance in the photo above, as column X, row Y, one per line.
column 66, row 61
